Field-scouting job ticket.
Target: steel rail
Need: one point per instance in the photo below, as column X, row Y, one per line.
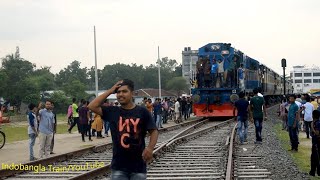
column 229, row 173
column 71, row 155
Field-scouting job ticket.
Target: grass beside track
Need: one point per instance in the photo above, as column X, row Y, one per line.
column 18, row 131
column 302, row 157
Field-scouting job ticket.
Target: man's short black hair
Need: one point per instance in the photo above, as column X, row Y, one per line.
column 241, row 94
column 312, row 98
column 48, row 100
column 129, row 83
column 307, row 98
column 255, row 91
column 316, row 114
column 74, row 100
column 31, row 106
column 293, row 95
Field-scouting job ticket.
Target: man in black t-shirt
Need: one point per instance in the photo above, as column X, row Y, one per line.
column 129, row 124
column 242, row 106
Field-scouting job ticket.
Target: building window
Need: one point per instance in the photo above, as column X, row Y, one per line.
column 316, row 74
column 297, row 74
column 316, row 81
column 298, row 81
column 307, row 74
column 307, row 81
column 298, row 85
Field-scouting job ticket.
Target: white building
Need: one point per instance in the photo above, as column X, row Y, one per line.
column 189, row 60
column 304, row 79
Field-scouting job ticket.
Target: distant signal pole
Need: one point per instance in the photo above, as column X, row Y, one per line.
column 95, row 60
column 284, row 65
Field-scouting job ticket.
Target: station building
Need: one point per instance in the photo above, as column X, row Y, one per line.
column 304, row 79
column 189, row 60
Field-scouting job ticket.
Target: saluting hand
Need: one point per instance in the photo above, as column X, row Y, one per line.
column 116, row 86
column 147, row 155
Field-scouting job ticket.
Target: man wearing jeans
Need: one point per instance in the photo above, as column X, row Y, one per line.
column 242, row 105
column 75, row 115
column 256, row 107
column 293, row 120
column 32, row 132
column 129, row 124
column 46, row 128
column 308, row 109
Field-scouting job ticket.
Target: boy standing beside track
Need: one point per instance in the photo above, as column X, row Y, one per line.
column 128, row 125
column 293, row 121
column 242, row 105
column 257, row 105
column 32, row 132
column 46, row 129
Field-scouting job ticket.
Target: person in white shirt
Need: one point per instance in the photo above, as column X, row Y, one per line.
column 220, row 73
column 177, row 110
column 308, row 109
column 260, row 92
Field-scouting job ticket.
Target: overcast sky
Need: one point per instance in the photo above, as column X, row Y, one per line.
column 56, row 32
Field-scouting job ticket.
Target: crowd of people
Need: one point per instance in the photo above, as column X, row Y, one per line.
column 42, row 119
column 168, row 109
column 219, row 73
column 301, row 113
column 298, row 113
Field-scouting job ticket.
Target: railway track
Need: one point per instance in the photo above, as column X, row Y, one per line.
column 245, row 163
column 197, row 155
column 197, row 150
column 94, row 161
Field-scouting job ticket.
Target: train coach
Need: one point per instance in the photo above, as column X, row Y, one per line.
column 222, row 72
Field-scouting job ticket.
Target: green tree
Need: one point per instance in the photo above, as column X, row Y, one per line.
column 178, row 71
column 113, row 73
column 3, row 83
column 75, row 89
column 16, row 70
column 71, row 73
column 61, row 101
column 178, row 84
column 44, row 79
column 92, row 78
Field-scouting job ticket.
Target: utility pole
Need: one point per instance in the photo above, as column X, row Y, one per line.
column 284, row 65
column 95, row 60
column 159, row 73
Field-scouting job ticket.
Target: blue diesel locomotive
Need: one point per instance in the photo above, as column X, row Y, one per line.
column 222, row 72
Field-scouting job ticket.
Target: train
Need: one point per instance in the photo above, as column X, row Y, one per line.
column 215, row 90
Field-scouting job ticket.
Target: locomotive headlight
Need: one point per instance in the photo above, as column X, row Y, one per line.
column 234, row 97
column 196, row 98
column 224, row 52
